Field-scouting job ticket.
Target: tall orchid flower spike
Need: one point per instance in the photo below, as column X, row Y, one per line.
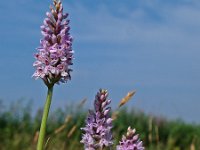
column 55, row 53
column 130, row 141
column 98, row 124
column 54, row 57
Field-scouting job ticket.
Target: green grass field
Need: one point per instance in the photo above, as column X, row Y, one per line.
column 19, row 129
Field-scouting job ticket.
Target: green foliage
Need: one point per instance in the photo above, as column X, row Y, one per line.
column 19, row 128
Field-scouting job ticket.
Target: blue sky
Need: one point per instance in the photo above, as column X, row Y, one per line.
column 150, row 46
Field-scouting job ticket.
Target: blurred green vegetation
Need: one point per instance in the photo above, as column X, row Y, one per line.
column 19, row 129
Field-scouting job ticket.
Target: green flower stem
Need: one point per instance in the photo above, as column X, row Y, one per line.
column 44, row 119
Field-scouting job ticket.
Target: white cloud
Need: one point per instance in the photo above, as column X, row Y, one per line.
column 177, row 25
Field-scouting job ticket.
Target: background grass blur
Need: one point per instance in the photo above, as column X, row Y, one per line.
column 19, row 129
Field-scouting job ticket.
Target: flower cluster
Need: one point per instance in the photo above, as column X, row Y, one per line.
column 55, row 53
column 130, row 141
column 98, row 128
column 98, row 124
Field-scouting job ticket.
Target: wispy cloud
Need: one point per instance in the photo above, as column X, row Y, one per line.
column 170, row 25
